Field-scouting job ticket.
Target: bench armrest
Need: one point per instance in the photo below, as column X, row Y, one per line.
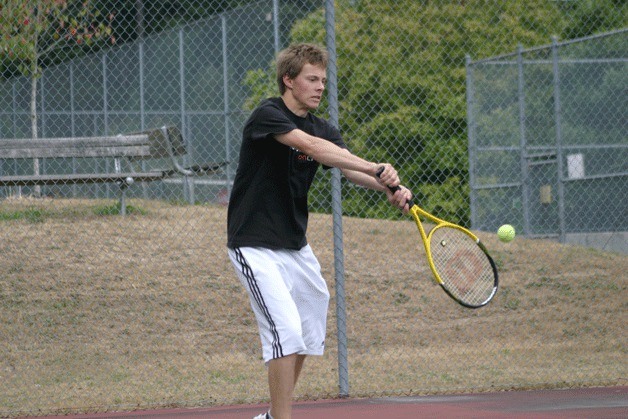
column 195, row 170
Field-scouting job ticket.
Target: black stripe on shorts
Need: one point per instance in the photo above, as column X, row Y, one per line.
column 259, row 300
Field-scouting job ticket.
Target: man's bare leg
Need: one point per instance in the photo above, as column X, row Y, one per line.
column 298, row 368
column 283, row 374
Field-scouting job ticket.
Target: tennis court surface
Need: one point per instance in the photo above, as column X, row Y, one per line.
column 608, row 402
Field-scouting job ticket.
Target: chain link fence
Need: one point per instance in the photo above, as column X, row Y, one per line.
column 117, row 293
column 556, row 168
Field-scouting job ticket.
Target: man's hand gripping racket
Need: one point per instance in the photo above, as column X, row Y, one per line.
column 459, row 261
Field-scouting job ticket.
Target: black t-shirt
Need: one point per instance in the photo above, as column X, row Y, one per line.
column 268, row 203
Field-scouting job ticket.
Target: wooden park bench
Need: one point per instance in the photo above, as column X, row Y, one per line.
column 164, row 145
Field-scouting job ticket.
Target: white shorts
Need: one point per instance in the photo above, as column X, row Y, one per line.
column 289, row 298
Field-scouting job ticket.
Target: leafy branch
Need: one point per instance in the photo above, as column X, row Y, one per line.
column 32, row 31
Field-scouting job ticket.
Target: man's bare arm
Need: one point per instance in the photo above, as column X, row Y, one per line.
column 327, row 153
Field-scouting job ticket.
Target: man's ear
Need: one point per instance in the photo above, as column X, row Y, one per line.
column 287, row 81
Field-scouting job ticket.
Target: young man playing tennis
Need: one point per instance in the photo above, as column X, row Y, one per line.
column 282, row 146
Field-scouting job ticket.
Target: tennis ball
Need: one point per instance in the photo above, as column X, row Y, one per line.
column 506, row 233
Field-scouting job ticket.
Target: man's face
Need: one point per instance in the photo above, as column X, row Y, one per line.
column 307, row 88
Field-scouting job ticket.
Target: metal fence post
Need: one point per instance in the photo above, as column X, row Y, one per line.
column 142, row 99
column 559, row 141
column 225, row 92
column 72, row 100
column 105, row 110
column 332, row 80
column 188, row 184
column 522, row 143
column 471, row 140
column 277, row 42
column 142, row 93
column 105, row 94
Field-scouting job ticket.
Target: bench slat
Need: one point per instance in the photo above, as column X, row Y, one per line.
column 59, row 152
column 102, row 140
column 119, row 146
column 80, row 178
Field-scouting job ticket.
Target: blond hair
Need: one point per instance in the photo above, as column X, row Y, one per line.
column 291, row 60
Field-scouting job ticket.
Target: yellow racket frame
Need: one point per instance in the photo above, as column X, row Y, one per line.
column 417, row 212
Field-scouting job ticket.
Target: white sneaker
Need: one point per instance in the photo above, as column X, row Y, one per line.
column 262, row 416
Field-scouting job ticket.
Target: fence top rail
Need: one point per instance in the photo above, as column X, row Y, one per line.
column 544, row 47
column 498, row 62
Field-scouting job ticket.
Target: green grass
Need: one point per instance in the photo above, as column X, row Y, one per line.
column 116, row 209
column 36, row 215
column 30, row 215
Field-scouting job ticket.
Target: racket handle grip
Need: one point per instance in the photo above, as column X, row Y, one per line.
column 392, row 188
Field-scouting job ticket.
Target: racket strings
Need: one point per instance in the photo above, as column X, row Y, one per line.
column 464, row 268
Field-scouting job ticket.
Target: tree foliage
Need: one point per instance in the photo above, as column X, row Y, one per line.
column 401, row 64
column 401, row 82
column 33, row 31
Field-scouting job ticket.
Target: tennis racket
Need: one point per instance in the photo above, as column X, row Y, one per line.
column 459, row 261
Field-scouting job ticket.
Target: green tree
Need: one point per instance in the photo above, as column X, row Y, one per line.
column 588, row 17
column 32, row 31
column 402, row 83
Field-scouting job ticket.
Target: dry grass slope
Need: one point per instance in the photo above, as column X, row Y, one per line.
column 105, row 312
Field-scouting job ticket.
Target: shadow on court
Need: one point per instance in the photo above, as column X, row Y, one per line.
column 608, row 402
